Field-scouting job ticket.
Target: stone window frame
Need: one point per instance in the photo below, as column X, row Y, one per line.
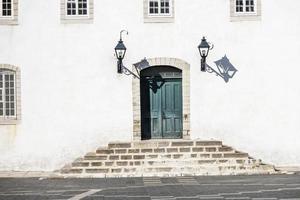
column 245, row 16
column 66, row 19
column 17, row 118
column 158, row 18
column 136, row 99
column 13, row 19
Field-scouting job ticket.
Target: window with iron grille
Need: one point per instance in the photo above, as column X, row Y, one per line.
column 6, row 8
column 7, row 94
column 77, row 7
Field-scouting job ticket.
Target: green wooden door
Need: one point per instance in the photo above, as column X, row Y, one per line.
column 155, row 109
column 162, row 114
column 171, row 108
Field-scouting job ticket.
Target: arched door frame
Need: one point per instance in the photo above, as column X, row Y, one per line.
column 155, row 62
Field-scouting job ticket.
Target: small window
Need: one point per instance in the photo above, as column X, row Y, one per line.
column 8, row 12
column 245, row 6
column 159, row 7
column 6, row 8
column 78, row 11
column 9, row 94
column 77, row 7
column 243, row 10
column 158, row 10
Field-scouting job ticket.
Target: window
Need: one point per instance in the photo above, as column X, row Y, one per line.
column 8, row 12
column 158, row 11
column 245, row 6
column 6, row 8
column 159, row 7
column 9, row 94
column 78, row 11
column 243, row 10
column 77, row 7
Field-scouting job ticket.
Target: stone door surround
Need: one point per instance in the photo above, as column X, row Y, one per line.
column 156, row 62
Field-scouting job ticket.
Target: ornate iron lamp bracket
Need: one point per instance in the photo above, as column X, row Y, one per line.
column 128, row 72
column 211, row 70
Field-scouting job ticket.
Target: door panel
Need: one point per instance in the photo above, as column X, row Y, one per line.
column 172, row 109
column 155, row 112
column 161, row 108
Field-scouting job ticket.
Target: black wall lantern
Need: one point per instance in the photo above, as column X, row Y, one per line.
column 204, row 48
column 224, row 68
column 120, row 50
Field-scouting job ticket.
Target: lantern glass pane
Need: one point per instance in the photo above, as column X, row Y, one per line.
column 120, row 54
column 203, row 52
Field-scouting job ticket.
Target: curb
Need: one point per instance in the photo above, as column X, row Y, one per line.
column 29, row 174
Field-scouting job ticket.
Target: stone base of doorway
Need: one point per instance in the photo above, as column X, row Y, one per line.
column 166, row 158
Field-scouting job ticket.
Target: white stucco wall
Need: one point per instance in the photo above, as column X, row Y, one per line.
column 74, row 101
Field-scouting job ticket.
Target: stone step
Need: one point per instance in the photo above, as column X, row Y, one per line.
column 163, row 143
column 173, row 170
column 182, row 149
column 165, row 157
column 113, row 145
column 181, row 155
column 147, row 163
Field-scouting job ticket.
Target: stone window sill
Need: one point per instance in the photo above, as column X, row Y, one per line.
column 158, row 19
column 9, row 121
column 245, row 17
column 8, row 21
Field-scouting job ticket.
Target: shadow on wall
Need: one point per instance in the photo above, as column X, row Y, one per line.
column 224, row 69
column 155, row 83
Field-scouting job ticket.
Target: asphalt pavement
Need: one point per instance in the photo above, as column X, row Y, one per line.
column 153, row 188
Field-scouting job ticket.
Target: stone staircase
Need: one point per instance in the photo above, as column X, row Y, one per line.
column 165, row 158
